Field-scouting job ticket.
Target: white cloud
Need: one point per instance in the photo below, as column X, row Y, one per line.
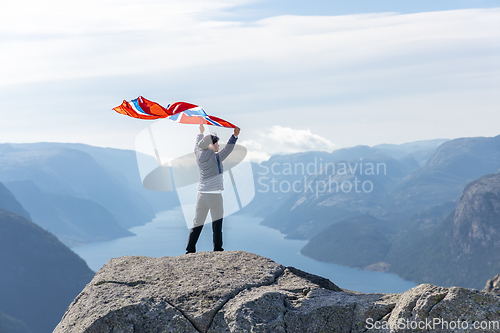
column 72, row 17
column 58, row 39
column 285, row 140
column 353, row 79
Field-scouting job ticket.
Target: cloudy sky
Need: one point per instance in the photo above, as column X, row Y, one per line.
column 294, row 75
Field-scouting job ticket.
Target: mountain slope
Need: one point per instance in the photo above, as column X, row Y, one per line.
column 72, row 172
column 475, row 237
column 358, row 241
column 463, row 250
column 40, row 276
column 10, row 203
column 455, row 163
column 75, row 221
column 353, row 187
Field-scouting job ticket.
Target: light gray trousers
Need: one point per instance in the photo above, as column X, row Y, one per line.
column 208, row 202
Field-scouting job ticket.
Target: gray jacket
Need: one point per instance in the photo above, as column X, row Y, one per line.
column 210, row 164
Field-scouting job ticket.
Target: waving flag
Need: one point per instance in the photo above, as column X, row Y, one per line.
column 182, row 112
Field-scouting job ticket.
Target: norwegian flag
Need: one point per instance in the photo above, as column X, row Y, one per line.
column 181, row 112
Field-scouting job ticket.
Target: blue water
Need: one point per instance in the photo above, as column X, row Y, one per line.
column 166, row 235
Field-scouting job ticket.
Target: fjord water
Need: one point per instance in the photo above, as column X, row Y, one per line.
column 167, row 234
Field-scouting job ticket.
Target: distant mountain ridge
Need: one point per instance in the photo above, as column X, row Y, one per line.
column 405, row 222
column 454, row 164
column 404, row 190
column 122, row 165
column 72, row 172
column 421, row 151
column 74, row 220
column 88, row 193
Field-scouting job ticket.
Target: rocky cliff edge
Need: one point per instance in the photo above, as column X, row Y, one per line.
column 217, row 292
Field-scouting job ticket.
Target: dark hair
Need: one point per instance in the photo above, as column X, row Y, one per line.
column 207, row 140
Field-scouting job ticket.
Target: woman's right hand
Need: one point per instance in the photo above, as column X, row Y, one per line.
column 236, row 131
column 202, row 129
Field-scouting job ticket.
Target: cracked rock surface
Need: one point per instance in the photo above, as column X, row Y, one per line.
column 493, row 286
column 218, row 292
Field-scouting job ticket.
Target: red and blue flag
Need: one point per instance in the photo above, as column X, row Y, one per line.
column 181, row 112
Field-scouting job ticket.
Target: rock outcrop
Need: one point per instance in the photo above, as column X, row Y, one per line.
column 493, row 286
column 474, row 237
column 476, row 225
column 219, row 292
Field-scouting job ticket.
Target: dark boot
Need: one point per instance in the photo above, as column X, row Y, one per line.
column 217, row 235
column 194, row 234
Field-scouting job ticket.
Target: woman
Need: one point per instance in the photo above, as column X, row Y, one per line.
column 209, row 161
